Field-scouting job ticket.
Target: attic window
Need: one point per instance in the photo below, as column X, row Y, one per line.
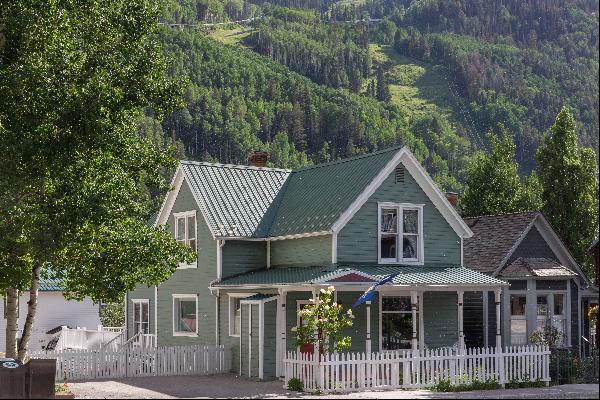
column 399, row 172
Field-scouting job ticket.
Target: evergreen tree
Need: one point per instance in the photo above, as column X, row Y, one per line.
column 383, row 88
column 493, row 182
column 568, row 174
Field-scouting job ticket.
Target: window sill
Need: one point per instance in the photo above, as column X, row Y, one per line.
column 186, row 334
column 187, row 266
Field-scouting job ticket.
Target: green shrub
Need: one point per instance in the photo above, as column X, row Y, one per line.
column 295, row 385
column 446, row 386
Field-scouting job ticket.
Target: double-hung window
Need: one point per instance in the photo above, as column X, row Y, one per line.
column 141, row 317
column 185, row 315
column 186, row 232
column 400, row 233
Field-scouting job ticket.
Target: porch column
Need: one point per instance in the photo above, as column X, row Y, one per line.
column 368, row 344
column 282, row 319
column 413, row 307
column 461, row 334
column 498, row 335
column 316, row 333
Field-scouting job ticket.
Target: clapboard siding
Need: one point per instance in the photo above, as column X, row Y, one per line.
column 492, row 318
column 358, row 330
column 192, row 281
column 315, row 250
column 440, row 319
column 270, row 340
column 533, row 246
column 357, row 241
column 241, row 256
column 52, row 310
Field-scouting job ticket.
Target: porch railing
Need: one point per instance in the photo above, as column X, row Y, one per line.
column 346, row 372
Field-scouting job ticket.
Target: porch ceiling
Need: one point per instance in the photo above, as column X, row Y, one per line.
column 434, row 275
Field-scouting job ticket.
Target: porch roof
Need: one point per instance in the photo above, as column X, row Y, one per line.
column 427, row 275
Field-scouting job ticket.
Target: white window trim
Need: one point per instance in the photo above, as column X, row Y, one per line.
column 230, row 309
column 186, row 214
column 140, row 301
column 420, row 320
column 185, row 296
column 421, row 247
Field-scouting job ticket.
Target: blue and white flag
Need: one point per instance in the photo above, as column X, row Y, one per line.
column 369, row 295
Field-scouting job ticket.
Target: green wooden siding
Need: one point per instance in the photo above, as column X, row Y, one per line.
column 241, row 256
column 140, row 293
column 243, row 351
column 270, row 340
column 440, row 318
column 315, row 250
column 193, row 281
column 357, row 241
column 358, row 330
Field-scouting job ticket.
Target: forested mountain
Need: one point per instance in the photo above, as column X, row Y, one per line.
column 324, row 94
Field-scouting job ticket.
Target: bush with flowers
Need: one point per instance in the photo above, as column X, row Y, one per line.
column 323, row 321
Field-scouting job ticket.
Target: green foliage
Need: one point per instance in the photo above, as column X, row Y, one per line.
column 323, row 323
column 568, row 174
column 494, row 185
column 113, row 314
column 76, row 176
column 447, row 386
column 525, row 382
column 548, row 335
column 296, row 385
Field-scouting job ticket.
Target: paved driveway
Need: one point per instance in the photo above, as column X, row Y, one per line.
column 219, row 386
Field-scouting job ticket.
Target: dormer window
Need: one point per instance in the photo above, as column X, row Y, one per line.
column 400, row 233
column 186, row 231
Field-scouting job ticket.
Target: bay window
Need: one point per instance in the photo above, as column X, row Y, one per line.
column 400, row 233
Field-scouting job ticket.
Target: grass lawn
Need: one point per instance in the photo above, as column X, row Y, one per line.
column 233, row 35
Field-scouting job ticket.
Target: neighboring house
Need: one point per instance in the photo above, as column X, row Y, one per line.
column 53, row 311
column 269, row 239
column 591, row 330
column 546, row 283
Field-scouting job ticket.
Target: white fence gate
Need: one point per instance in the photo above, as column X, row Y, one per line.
column 345, row 372
column 76, row 365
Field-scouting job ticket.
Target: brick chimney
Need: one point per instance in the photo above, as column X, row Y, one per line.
column 258, row 159
column 452, row 197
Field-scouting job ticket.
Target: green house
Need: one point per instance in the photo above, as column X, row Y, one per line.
column 269, row 239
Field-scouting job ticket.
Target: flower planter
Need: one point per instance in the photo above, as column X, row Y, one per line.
column 64, row 395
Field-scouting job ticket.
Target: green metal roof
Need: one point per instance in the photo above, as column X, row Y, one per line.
column 242, row 201
column 408, row 275
column 49, row 285
column 238, row 200
column 315, row 197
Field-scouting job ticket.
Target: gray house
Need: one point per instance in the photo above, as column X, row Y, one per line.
column 547, row 285
column 269, row 239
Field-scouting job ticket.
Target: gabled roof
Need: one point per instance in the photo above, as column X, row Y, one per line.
column 315, row 197
column 496, row 237
column 236, row 200
column 240, row 202
column 493, row 238
column 451, row 275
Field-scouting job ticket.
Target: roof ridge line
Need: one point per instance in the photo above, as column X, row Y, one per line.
column 353, row 158
column 234, row 166
column 504, row 214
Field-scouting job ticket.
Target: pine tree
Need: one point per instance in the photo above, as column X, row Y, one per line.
column 493, row 182
column 383, row 88
column 568, row 174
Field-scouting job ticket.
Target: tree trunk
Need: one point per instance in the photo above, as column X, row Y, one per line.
column 12, row 322
column 31, row 310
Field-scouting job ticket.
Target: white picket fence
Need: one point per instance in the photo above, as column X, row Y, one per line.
column 77, row 365
column 347, row 372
